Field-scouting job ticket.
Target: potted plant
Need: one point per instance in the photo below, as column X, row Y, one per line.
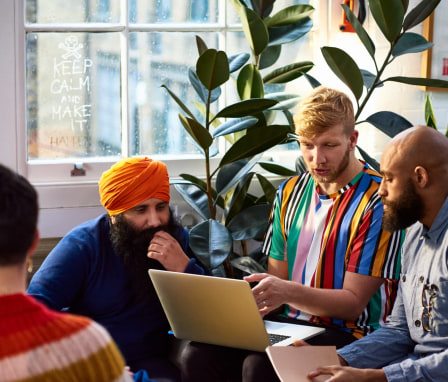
column 230, row 212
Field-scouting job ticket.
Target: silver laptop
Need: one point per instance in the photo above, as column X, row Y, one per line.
column 220, row 311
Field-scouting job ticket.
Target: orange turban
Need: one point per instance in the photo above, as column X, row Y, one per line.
column 132, row 181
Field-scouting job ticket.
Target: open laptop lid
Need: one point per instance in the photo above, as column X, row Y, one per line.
column 212, row 310
column 215, row 310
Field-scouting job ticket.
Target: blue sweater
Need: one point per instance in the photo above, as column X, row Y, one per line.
column 84, row 275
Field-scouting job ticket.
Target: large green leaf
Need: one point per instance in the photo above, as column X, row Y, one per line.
column 246, row 108
column 202, row 46
column 211, row 242
column 198, row 132
column 254, row 142
column 345, row 68
column 410, row 43
column 289, row 15
column 247, row 264
column 276, row 168
column 212, row 68
column 389, row 15
column 191, row 179
column 236, row 61
column 360, row 31
column 230, row 174
column 234, row 125
column 268, row 188
column 289, row 33
column 371, row 161
column 195, row 197
column 262, row 7
column 201, row 90
column 389, row 123
column 369, row 79
column 419, row 81
column 269, row 56
column 288, row 73
column 179, row 102
column 249, row 83
column 419, row 13
column 254, row 28
column 285, row 101
column 429, row 113
column 250, row 223
column 240, row 197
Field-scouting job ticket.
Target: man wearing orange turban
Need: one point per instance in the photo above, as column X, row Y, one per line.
column 100, row 268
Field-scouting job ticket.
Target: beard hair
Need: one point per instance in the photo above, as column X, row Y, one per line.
column 405, row 212
column 332, row 177
column 131, row 245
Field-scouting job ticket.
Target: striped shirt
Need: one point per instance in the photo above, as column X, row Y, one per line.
column 323, row 236
column 38, row 344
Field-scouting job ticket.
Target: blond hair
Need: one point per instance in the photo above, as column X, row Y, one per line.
column 323, row 109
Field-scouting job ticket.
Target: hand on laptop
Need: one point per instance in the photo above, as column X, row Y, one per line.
column 269, row 293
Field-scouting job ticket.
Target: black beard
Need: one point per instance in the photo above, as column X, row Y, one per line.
column 405, row 212
column 132, row 247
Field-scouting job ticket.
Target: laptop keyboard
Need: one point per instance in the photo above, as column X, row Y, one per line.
column 274, row 338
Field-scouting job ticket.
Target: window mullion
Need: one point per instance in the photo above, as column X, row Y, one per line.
column 125, row 123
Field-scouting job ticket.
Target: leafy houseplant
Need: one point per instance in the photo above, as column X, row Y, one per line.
column 394, row 21
column 229, row 211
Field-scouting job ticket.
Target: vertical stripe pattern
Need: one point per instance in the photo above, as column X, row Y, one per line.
column 334, row 234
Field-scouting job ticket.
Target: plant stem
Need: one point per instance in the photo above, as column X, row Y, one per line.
column 375, row 84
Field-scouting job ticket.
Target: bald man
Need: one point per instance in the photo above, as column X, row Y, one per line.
column 99, row 269
column 413, row 345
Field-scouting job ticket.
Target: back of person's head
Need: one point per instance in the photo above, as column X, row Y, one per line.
column 322, row 109
column 18, row 216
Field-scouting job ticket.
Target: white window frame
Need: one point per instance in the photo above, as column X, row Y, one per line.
column 67, row 201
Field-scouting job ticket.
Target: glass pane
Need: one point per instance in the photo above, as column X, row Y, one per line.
column 78, row 11
column 155, row 125
column 73, row 95
column 173, row 11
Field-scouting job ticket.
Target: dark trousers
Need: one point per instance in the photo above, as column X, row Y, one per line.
column 204, row 363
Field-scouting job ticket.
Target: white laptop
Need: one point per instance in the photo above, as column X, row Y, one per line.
column 220, row 311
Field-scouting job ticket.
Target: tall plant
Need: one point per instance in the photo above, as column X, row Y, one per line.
column 229, row 210
column 394, row 21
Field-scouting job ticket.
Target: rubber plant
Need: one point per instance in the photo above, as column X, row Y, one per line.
column 229, row 210
column 394, row 20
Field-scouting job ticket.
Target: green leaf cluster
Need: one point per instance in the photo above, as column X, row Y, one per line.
column 224, row 199
column 394, row 20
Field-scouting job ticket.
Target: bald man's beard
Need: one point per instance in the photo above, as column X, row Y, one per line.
column 132, row 247
column 405, row 212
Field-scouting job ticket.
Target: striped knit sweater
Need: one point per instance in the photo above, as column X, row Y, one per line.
column 38, row 344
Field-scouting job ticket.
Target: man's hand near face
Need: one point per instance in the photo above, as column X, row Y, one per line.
column 167, row 251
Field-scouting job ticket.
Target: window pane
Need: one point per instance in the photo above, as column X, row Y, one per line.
column 73, row 95
column 155, row 125
column 77, row 11
column 173, row 11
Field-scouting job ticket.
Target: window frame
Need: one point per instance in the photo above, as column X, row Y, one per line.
column 65, row 200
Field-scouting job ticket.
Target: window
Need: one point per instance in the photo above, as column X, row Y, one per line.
column 81, row 85
column 94, row 71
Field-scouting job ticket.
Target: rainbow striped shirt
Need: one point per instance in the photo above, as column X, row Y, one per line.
column 323, row 236
column 38, row 344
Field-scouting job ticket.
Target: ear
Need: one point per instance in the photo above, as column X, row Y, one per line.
column 34, row 244
column 353, row 139
column 421, row 177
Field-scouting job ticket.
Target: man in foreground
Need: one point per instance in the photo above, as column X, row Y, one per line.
column 100, row 268
column 330, row 261
column 37, row 343
column 413, row 345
